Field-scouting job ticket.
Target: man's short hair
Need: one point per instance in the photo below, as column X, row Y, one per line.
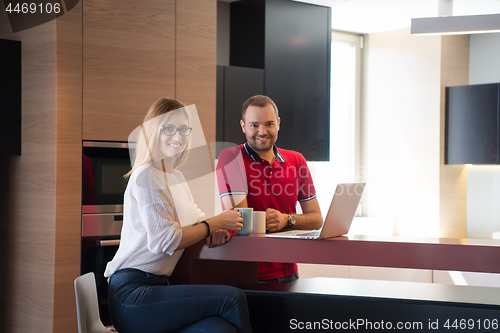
column 260, row 101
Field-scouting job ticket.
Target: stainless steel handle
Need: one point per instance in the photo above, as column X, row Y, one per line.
column 109, row 144
column 108, row 242
column 102, row 209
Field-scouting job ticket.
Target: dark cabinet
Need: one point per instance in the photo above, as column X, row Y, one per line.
column 291, row 42
column 472, row 124
column 234, row 86
column 10, row 95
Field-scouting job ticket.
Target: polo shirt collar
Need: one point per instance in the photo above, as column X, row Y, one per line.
column 255, row 157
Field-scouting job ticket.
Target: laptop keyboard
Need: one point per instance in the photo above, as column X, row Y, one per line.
column 314, row 233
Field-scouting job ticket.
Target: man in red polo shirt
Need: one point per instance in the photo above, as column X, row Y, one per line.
column 260, row 175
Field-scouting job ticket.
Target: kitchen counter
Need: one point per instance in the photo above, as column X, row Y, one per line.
column 376, row 251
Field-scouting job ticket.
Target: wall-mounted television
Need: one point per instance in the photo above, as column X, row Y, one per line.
column 472, row 124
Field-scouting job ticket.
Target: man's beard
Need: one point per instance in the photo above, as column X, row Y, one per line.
column 257, row 145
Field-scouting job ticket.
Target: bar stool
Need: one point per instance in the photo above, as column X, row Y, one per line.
column 87, row 307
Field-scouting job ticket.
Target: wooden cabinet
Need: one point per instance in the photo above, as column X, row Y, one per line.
column 128, row 63
column 472, row 124
column 195, row 75
column 136, row 52
column 195, row 59
column 291, row 41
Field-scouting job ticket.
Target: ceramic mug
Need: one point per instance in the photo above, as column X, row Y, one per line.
column 247, row 214
column 259, row 223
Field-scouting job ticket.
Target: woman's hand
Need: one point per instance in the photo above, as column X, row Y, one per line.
column 218, row 237
column 229, row 220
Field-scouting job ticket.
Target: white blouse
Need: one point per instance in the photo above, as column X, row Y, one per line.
column 150, row 232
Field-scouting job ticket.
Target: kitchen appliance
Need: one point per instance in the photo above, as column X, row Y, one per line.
column 103, row 186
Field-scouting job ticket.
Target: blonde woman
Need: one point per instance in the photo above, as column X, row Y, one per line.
column 160, row 219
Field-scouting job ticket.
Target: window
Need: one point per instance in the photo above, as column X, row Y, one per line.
column 343, row 166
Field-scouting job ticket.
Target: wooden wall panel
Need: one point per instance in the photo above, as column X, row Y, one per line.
column 453, row 178
column 196, row 76
column 69, row 168
column 129, row 62
column 27, row 190
column 196, row 58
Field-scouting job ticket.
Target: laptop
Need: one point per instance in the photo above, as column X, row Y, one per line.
column 339, row 218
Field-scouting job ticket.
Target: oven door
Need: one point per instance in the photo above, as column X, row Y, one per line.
column 104, row 166
column 101, row 228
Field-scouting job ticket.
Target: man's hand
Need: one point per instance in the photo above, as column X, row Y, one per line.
column 275, row 220
column 218, row 238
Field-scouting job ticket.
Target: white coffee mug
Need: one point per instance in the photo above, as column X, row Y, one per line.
column 259, row 222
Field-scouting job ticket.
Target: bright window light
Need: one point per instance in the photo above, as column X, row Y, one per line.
column 341, row 166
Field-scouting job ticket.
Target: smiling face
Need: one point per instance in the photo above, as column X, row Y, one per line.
column 261, row 127
column 172, row 146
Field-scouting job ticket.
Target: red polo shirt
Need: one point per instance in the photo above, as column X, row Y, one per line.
column 241, row 171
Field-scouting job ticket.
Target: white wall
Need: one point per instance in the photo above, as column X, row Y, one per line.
column 484, row 58
column 483, row 198
column 401, row 130
column 483, row 182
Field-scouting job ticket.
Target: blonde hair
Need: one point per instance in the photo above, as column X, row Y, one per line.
column 147, row 141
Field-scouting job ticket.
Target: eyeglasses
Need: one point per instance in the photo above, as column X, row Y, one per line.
column 172, row 130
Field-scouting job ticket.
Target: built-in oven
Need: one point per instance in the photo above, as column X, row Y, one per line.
column 103, row 186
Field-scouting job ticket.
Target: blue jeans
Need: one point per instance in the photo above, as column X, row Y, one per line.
column 144, row 302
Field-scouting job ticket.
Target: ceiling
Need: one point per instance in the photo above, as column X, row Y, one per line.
column 368, row 16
